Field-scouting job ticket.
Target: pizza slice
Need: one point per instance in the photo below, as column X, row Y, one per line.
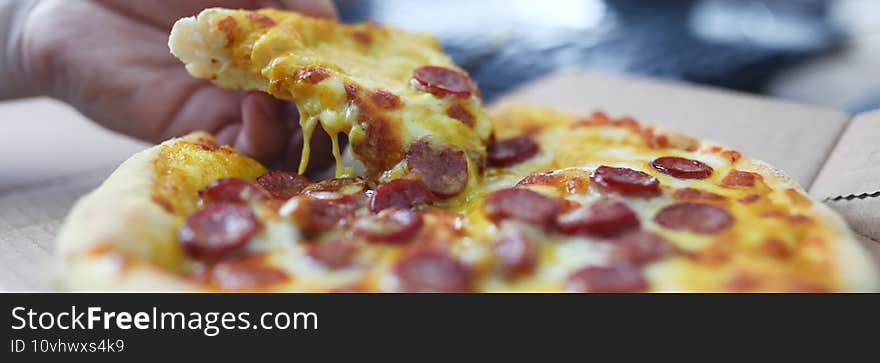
column 406, row 109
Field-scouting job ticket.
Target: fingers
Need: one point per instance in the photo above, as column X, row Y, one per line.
column 264, row 133
column 321, row 156
column 163, row 13
column 289, row 159
column 269, row 131
column 320, row 159
column 319, row 8
column 207, row 108
column 228, row 134
column 255, row 124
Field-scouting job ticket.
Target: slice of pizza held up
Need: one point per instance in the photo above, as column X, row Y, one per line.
column 550, row 202
column 402, row 103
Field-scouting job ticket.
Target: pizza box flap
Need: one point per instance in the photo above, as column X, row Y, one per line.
column 850, row 180
column 792, row 137
column 871, row 245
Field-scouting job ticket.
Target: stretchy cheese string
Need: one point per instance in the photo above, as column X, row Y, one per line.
column 308, row 126
column 341, row 170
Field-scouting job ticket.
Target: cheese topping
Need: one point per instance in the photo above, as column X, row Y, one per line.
column 565, row 203
column 760, row 236
column 373, row 83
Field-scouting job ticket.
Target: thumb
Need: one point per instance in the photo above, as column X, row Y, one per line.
column 263, row 133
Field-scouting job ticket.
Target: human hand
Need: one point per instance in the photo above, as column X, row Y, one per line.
column 110, row 60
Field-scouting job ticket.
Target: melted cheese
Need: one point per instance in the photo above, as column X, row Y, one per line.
column 268, row 50
column 783, row 214
column 719, row 259
column 735, row 258
column 187, row 165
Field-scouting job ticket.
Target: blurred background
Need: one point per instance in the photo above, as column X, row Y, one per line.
column 821, row 52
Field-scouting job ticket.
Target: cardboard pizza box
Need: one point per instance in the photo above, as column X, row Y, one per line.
column 849, row 181
column 55, row 155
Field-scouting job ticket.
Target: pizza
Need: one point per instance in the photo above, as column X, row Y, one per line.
column 516, row 198
column 384, row 89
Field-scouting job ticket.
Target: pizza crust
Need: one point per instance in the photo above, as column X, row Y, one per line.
column 857, row 271
column 111, row 232
column 202, row 49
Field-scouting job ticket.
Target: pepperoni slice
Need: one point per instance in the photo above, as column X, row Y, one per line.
column 615, row 279
column 429, row 270
column 695, row 217
column 217, row 229
column 334, row 254
column 283, row 184
column 336, row 188
column 400, row 193
column 571, row 181
column 523, row 205
column 640, row 248
column 246, row 273
column 512, row 151
column 444, row 171
column 682, row 168
column 441, row 81
column 389, row 226
column 517, row 252
column 342, row 185
column 319, row 215
column 230, row 190
column 625, row 181
column 605, row 217
column 567, row 205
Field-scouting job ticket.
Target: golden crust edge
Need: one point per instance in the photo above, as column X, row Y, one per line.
column 118, row 216
column 202, row 49
column 856, row 269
